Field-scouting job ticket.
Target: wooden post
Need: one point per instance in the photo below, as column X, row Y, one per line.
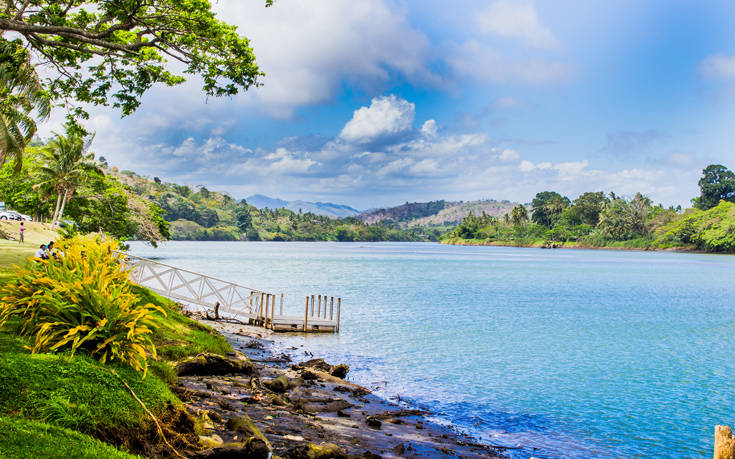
column 319, row 308
column 306, row 313
column 312, row 306
column 273, row 307
column 724, row 443
column 281, row 311
column 325, row 307
column 339, row 308
column 260, row 308
column 331, row 308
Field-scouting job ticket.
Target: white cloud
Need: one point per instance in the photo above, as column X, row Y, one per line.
column 486, row 63
column 718, row 66
column 307, row 48
column 385, row 117
column 429, row 128
column 517, row 20
column 508, row 155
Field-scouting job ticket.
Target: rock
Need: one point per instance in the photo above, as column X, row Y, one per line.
column 252, row 448
column 278, row 385
column 309, row 375
column 370, row 455
column 319, row 364
column 342, row 414
column 340, row 370
column 399, row 449
column 395, row 421
column 724, row 443
column 244, row 425
column 372, row 422
column 252, row 344
column 312, row 451
column 210, row 441
column 213, row 364
column 419, row 425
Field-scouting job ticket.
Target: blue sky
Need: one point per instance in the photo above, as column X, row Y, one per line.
column 374, row 103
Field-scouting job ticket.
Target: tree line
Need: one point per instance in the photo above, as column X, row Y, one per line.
column 599, row 219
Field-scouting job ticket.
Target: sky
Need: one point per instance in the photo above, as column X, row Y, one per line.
column 374, row 103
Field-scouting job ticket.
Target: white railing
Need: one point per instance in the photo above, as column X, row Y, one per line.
column 230, row 300
column 196, row 289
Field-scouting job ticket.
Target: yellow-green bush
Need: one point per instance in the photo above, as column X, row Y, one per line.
column 82, row 301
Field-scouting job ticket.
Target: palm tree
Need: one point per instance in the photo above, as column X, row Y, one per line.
column 21, row 94
column 66, row 165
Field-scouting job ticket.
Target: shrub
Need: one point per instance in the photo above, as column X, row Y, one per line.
column 82, row 301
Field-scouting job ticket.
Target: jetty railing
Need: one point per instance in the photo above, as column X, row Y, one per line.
column 232, row 300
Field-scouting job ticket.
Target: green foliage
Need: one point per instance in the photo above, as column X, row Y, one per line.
column 82, row 301
column 25, row 439
column 547, row 207
column 106, row 51
column 717, row 183
column 519, row 215
column 711, row 230
column 21, row 95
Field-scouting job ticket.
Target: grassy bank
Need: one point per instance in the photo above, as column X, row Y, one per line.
column 61, row 406
column 633, row 244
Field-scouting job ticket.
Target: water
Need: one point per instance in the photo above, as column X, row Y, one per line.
column 568, row 353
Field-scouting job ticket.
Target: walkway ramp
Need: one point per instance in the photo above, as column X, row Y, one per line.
column 233, row 301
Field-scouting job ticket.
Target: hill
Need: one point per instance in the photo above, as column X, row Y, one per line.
column 318, row 208
column 435, row 214
column 201, row 214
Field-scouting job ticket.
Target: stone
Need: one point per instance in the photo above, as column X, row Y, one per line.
column 210, row 441
column 278, row 385
column 213, row 364
column 342, row 414
column 372, row 422
column 312, row 451
column 340, row 371
column 254, row 448
column 319, row 364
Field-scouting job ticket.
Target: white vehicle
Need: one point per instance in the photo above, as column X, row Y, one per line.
column 9, row 215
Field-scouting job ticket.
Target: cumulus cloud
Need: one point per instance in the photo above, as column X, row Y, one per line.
column 386, row 117
column 718, row 66
column 516, row 20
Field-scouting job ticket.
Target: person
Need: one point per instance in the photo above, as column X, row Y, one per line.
column 41, row 252
column 50, row 251
column 22, row 230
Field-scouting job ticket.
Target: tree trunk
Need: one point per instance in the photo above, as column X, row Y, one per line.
column 63, row 204
column 56, row 210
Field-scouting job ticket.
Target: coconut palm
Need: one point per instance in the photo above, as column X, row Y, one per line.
column 66, row 165
column 21, row 95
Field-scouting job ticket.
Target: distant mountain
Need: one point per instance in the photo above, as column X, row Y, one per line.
column 319, row 208
column 435, row 213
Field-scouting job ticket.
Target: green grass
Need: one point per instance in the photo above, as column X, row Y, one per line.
column 30, row 439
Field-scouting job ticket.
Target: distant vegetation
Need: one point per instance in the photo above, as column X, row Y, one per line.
column 595, row 219
column 201, row 214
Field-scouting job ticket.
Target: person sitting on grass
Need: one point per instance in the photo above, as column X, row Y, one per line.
column 41, row 253
column 50, row 251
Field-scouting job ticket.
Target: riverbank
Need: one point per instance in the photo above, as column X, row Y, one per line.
column 623, row 245
column 296, row 403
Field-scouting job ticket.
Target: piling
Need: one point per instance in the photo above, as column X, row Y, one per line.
column 306, row 313
column 339, row 307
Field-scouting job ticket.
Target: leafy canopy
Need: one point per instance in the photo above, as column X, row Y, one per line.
column 102, row 50
column 717, row 183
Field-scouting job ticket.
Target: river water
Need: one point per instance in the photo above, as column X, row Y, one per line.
column 566, row 353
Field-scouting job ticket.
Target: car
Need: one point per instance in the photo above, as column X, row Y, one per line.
column 26, row 217
column 10, row 215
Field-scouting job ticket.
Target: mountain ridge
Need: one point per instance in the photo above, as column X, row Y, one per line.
column 328, row 209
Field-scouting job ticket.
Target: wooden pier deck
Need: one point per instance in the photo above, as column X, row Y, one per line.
column 233, row 301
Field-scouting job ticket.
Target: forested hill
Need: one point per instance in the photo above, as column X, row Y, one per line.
column 436, row 214
column 201, row 214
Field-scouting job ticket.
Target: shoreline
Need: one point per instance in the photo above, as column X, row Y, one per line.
column 581, row 247
column 315, row 408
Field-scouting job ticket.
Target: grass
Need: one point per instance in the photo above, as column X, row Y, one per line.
column 22, row 438
column 59, row 405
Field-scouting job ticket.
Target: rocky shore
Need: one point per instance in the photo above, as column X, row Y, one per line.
column 291, row 406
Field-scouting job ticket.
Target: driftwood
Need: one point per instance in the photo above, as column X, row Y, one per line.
column 724, row 443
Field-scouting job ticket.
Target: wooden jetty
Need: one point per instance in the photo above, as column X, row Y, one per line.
column 233, row 301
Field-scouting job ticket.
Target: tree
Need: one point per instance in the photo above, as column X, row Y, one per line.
column 66, row 166
column 243, row 217
column 21, row 95
column 99, row 50
column 519, row 215
column 547, row 206
column 587, row 207
column 717, row 183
